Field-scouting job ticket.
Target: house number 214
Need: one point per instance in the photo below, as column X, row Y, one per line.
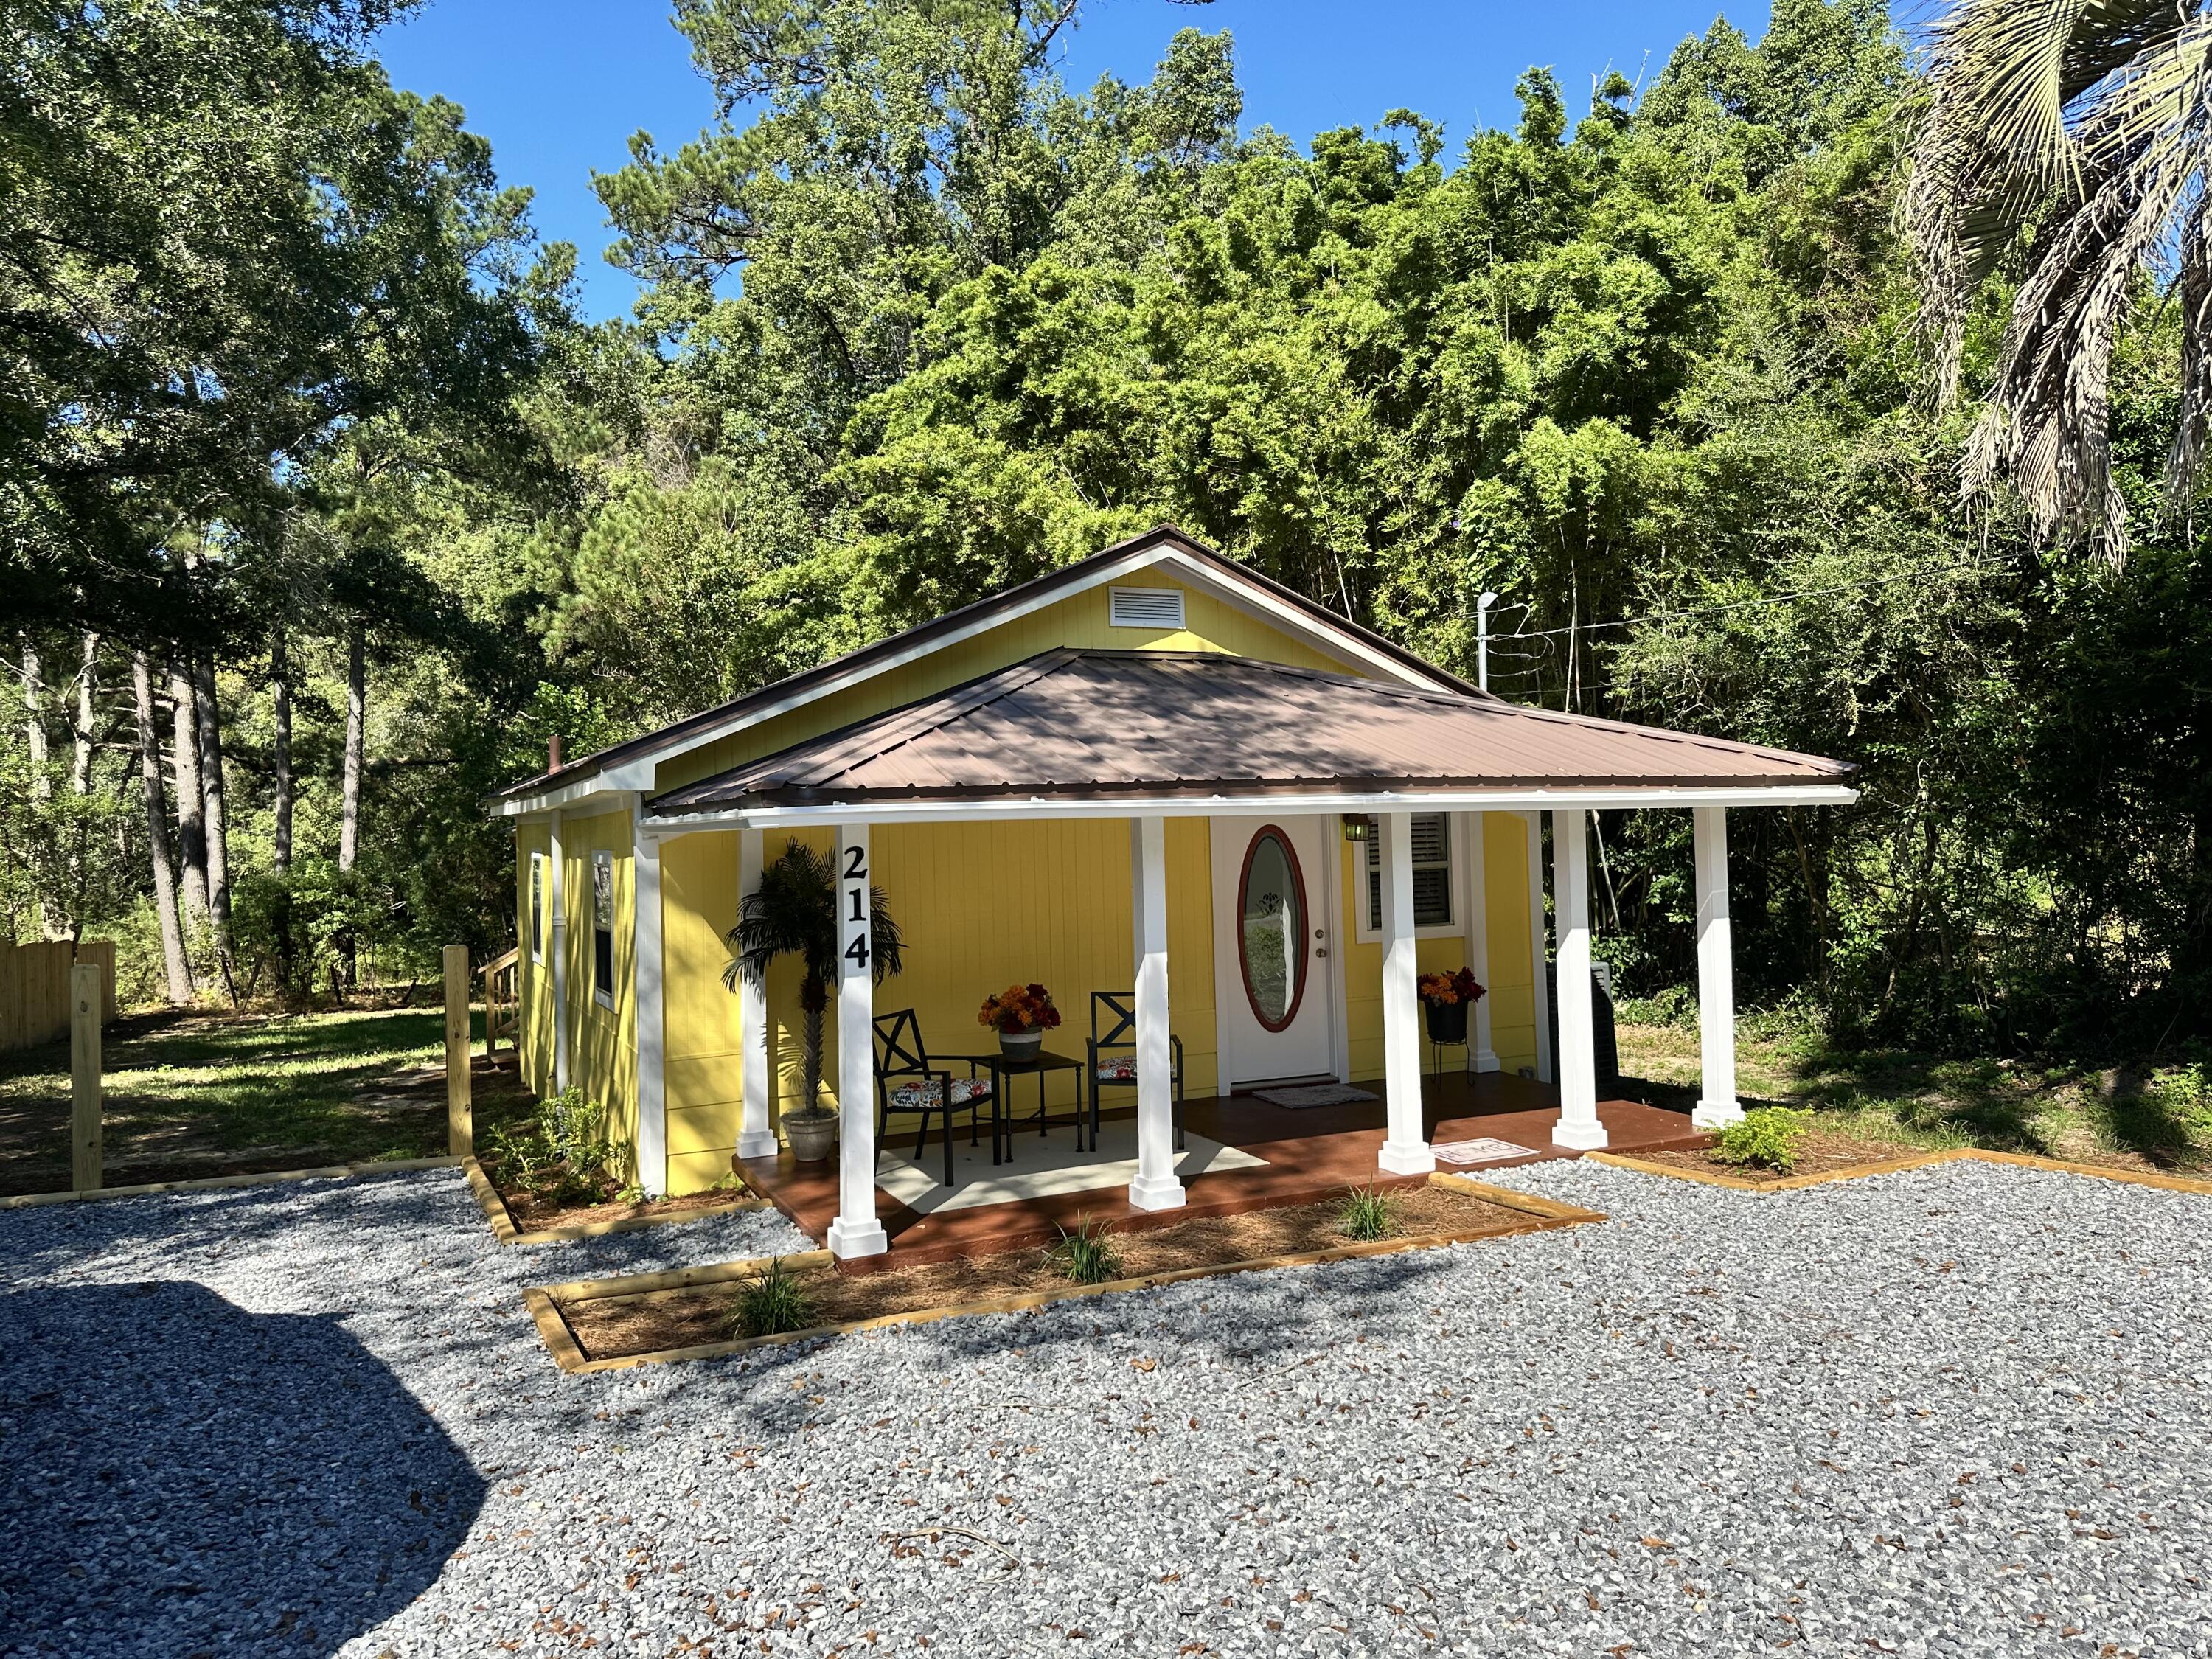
column 856, row 889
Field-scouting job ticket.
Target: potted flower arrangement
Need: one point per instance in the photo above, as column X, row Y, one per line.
column 1021, row 1015
column 1448, row 997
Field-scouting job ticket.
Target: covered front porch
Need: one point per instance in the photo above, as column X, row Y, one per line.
column 1301, row 1155
column 1279, row 767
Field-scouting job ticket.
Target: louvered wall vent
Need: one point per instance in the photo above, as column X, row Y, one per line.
column 1144, row 607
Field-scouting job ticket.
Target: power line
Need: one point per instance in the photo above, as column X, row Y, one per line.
column 1750, row 604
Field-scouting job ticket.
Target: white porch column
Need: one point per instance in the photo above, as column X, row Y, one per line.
column 755, row 1136
column 645, row 969
column 1480, row 1055
column 855, row 1232
column 560, row 960
column 1157, row 1186
column 1532, row 824
column 1717, row 1106
column 1577, row 1127
column 1406, row 1152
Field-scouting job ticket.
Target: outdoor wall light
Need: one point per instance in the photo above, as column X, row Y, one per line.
column 1358, row 826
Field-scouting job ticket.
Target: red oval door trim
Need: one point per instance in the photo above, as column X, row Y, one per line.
column 1297, row 969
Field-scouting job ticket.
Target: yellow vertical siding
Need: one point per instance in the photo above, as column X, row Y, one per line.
column 602, row 1041
column 982, row 906
column 1512, row 995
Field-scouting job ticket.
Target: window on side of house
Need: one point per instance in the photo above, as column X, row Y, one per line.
column 537, row 908
column 1432, row 872
column 603, row 927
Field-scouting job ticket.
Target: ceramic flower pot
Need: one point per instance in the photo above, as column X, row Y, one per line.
column 1020, row 1045
column 812, row 1136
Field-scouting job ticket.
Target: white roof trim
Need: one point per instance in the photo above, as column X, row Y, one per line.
column 1204, row 806
column 639, row 772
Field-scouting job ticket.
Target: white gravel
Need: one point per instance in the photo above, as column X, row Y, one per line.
column 1958, row 1411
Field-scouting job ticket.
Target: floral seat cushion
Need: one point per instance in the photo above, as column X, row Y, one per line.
column 922, row 1093
column 1122, row 1068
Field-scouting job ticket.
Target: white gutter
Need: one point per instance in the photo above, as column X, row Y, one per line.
column 1033, row 807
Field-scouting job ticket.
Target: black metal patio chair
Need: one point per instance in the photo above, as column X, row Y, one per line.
column 907, row 1082
column 1113, row 1053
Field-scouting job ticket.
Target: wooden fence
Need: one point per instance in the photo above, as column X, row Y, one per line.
column 34, row 988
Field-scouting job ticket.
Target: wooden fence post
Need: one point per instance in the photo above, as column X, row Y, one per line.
column 88, row 1001
column 460, row 1118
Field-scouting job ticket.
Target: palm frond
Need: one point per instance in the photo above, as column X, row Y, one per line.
column 2075, row 133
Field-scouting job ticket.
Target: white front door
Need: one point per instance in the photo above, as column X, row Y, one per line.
column 1275, row 978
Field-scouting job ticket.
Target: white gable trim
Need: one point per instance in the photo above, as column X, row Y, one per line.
column 639, row 772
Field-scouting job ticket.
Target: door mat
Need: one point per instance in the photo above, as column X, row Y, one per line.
column 1314, row 1094
column 1484, row 1149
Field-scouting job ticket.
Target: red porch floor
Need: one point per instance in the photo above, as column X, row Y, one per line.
column 1311, row 1154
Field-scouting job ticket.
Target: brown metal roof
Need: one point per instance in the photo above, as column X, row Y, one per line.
column 1067, row 577
column 1086, row 723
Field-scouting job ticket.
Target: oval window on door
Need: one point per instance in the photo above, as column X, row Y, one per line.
column 1271, row 928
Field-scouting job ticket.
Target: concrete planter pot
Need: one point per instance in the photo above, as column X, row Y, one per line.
column 812, row 1135
column 1020, row 1045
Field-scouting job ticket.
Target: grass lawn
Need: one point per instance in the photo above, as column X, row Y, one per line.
column 197, row 1093
column 2157, row 1118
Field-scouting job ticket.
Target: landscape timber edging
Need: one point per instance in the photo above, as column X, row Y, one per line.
column 1898, row 1165
column 504, row 1229
column 545, row 1303
column 216, row 1183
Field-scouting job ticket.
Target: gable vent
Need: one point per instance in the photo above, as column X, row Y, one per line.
column 1144, row 607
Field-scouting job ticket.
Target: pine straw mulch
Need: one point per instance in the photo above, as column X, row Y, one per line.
column 610, row 1327
column 1822, row 1151
column 533, row 1214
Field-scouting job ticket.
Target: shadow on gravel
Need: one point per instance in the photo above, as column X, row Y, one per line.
column 179, row 1476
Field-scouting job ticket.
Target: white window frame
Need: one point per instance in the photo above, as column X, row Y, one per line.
column 538, row 901
column 605, row 860
column 1456, row 835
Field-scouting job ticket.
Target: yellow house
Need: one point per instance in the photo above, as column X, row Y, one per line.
column 1153, row 773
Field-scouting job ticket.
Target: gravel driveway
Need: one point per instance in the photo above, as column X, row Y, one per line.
column 1961, row 1410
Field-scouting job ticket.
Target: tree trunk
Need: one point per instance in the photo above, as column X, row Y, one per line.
column 356, row 709
column 85, row 737
column 350, row 797
column 157, row 838
column 209, row 711
column 52, row 922
column 191, row 808
column 813, row 998
column 280, row 686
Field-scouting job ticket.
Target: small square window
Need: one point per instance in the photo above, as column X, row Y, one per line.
column 603, row 927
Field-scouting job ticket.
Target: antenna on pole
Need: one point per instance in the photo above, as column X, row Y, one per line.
column 1482, row 639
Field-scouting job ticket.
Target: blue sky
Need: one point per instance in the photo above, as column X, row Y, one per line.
column 558, row 86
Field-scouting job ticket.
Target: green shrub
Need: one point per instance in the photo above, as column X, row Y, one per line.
column 1766, row 1137
column 1085, row 1255
column 773, row 1303
column 559, row 1153
column 1367, row 1214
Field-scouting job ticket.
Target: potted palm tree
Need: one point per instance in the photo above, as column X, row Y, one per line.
column 794, row 914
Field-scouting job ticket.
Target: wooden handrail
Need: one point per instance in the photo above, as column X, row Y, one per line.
column 500, row 965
